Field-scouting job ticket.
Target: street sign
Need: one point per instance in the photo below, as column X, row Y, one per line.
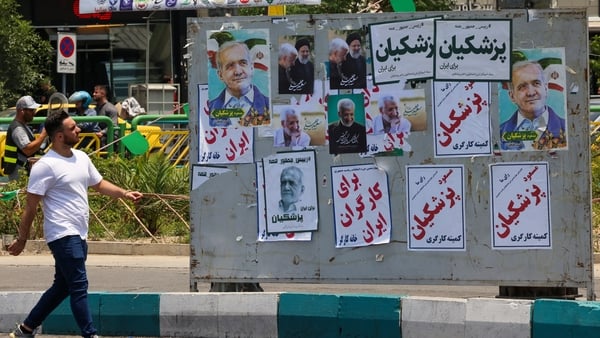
column 66, row 56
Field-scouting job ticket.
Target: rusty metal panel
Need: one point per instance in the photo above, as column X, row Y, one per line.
column 224, row 214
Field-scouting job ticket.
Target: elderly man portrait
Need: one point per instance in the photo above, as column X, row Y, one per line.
column 390, row 119
column 240, row 96
column 290, row 134
column 528, row 89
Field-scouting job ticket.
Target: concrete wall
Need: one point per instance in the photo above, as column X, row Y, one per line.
column 291, row 315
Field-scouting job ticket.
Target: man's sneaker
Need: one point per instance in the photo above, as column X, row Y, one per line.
column 18, row 333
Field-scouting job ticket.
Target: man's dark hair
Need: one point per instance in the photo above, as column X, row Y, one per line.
column 54, row 122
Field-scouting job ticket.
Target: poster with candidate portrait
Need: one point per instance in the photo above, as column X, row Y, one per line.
column 239, row 78
column 220, row 145
column 520, row 206
column 291, row 192
column 533, row 104
column 361, row 205
column 263, row 235
column 346, row 124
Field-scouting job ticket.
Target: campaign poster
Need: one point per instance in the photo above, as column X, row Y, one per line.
column 473, row 50
column 221, row 145
column 291, row 192
column 346, row 124
column 436, row 211
column 263, row 235
column 520, row 206
column 461, row 119
column 533, row 105
column 402, row 50
column 361, row 205
column 239, row 91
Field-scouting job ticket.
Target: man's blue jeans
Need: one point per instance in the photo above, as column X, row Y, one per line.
column 70, row 279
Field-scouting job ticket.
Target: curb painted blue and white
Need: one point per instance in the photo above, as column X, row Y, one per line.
column 291, row 315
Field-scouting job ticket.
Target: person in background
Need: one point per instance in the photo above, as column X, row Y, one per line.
column 82, row 100
column 105, row 108
column 290, row 134
column 20, row 141
column 46, row 89
column 390, row 120
column 60, row 182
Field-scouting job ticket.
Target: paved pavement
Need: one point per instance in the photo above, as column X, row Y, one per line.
column 33, row 271
column 170, row 273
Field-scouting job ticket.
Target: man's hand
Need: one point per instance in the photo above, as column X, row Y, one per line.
column 133, row 195
column 17, row 246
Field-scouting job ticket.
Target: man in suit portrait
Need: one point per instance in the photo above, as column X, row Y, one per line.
column 240, row 96
column 540, row 127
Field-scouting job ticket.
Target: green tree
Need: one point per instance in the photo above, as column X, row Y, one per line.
column 24, row 55
column 331, row 7
column 594, row 64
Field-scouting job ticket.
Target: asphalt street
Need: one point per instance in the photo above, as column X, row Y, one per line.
column 151, row 273
column 167, row 273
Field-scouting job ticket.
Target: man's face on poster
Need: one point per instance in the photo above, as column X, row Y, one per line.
column 529, row 91
column 389, row 111
column 291, row 125
column 304, row 54
column 339, row 55
column 355, row 49
column 291, row 186
column 347, row 117
column 235, row 69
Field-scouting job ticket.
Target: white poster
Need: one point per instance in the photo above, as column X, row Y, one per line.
column 435, row 204
column 219, row 145
column 263, row 236
column 361, row 206
column 520, row 206
column 461, row 119
column 201, row 174
column 291, row 192
column 402, row 50
column 477, row 50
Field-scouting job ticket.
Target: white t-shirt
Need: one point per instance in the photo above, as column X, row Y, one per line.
column 402, row 127
column 63, row 182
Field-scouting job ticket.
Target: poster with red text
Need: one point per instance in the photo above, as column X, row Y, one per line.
column 435, row 204
column 361, row 206
column 220, row 145
column 520, row 206
column 461, row 119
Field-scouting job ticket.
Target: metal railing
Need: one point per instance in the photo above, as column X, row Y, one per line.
column 165, row 133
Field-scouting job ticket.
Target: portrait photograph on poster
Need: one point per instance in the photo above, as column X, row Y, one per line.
column 239, row 78
column 291, row 197
column 533, row 104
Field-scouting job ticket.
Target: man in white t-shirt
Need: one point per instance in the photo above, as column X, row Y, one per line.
column 60, row 181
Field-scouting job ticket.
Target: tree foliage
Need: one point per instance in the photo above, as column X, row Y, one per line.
column 360, row 6
column 594, row 63
column 24, row 55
